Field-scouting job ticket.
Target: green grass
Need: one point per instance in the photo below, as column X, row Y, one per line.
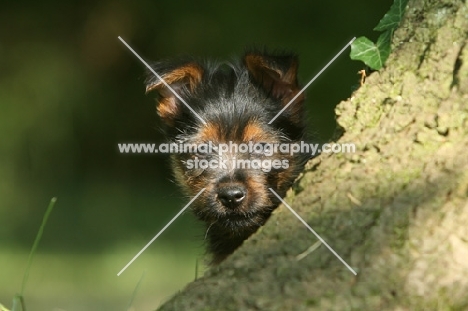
column 74, row 282
column 60, row 281
column 18, row 300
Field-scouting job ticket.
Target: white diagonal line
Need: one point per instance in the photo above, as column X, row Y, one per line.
column 162, row 230
column 310, row 82
column 161, row 79
column 312, row 230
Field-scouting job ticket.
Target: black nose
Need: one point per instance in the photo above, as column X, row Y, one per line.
column 231, row 196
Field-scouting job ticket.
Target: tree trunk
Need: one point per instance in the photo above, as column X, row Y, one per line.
column 396, row 210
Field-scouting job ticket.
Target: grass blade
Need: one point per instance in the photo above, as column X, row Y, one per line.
column 36, row 243
column 135, row 291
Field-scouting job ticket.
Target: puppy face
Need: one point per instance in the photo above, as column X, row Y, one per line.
column 228, row 110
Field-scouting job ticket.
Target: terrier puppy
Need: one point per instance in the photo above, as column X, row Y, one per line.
column 232, row 105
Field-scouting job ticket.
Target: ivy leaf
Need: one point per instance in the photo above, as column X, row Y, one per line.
column 392, row 18
column 372, row 54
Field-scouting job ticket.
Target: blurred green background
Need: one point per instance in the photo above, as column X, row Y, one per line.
column 70, row 91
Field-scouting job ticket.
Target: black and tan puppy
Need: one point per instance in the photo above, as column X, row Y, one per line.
column 232, row 105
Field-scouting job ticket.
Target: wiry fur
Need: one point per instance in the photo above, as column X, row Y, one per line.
column 237, row 101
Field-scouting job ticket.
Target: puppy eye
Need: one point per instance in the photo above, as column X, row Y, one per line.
column 200, row 155
column 204, row 155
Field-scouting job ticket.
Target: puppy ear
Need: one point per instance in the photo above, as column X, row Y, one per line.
column 276, row 74
column 182, row 79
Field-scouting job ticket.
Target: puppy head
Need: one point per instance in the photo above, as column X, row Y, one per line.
column 211, row 104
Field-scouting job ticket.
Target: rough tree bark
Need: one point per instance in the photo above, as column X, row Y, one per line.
column 396, row 210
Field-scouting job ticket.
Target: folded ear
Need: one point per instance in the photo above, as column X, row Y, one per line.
column 276, row 74
column 182, row 79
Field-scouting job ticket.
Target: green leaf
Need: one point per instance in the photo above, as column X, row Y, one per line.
column 373, row 55
column 392, row 19
column 384, row 45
